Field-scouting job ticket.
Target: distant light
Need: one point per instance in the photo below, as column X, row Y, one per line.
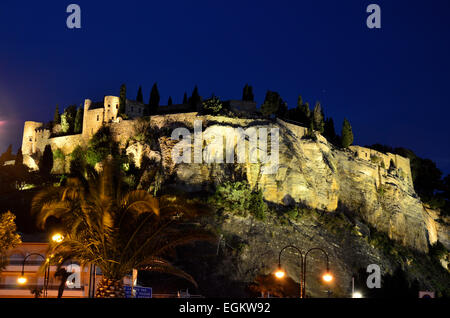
column 58, row 238
column 22, row 280
column 357, row 295
column 327, row 277
column 280, row 273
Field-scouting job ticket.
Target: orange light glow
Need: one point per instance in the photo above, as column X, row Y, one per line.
column 22, row 280
column 57, row 237
column 327, row 277
column 280, row 273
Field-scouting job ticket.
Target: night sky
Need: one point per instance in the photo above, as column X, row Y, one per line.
column 391, row 83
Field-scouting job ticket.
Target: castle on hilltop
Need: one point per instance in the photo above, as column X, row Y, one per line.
column 37, row 135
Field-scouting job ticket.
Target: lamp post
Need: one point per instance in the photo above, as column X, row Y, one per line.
column 327, row 277
column 22, row 280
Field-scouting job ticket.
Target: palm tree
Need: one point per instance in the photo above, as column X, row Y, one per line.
column 116, row 230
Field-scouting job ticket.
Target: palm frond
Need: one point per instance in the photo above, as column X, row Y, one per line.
column 156, row 264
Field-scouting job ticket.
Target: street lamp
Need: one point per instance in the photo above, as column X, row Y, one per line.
column 57, row 237
column 22, row 280
column 327, row 277
column 280, row 273
column 357, row 295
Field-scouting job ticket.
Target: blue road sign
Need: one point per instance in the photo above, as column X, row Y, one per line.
column 139, row 292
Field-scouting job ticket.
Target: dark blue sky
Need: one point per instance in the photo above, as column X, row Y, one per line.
column 392, row 83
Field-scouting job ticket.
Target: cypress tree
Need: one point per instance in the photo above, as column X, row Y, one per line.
column 19, row 158
column 195, row 99
column 46, row 163
column 302, row 112
column 154, row 100
column 347, row 134
column 169, row 102
column 185, row 99
column 140, row 97
column 273, row 104
column 247, row 93
column 122, row 100
column 318, row 118
column 56, row 116
column 69, row 116
column 329, row 131
column 6, row 156
column 78, row 127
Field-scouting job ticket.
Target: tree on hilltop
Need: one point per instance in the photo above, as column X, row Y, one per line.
column 78, row 126
column 247, row 94
column 169, row 102
column 195, row 98
column 185, row 99
column 68, row 119
column 347, row 134
column 304, row 112
column 273, row 104
column 19, row 158
column 7, row 155
column 329, row 130
column 318, row 116
column 153, row 103
column 140, row 97
column 122, row 100
column 212, row 105
column 56, row 116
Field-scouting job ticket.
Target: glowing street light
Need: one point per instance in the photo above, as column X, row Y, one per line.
column 280, row 273
column 327, row 277
column 22, row 280
column 57, row 238
column 357, row 295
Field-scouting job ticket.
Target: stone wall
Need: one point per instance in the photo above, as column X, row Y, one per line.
column 67, row 143
column 242, row 107
column 297, row 130
column 402, row 164
column 134, row 109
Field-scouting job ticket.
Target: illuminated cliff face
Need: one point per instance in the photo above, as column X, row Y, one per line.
column 318, row 175
column 308, row 171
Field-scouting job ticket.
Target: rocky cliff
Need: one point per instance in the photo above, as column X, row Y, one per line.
column 310, row 171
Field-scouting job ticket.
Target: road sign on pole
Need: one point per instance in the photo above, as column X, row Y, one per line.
column 139, row 292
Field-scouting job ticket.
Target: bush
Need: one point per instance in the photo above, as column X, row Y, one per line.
column 212, row 105
column 438, row 250
column 100, row 146
column 58, row 154
column 237, row 197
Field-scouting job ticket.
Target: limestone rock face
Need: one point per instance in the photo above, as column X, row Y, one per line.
column 140, row 150
column 313, row 172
